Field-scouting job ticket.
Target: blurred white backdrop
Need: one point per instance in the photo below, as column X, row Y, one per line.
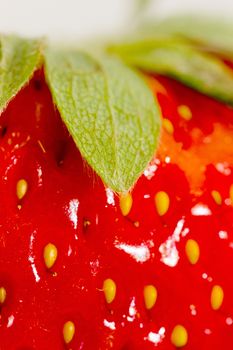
column 84, row 18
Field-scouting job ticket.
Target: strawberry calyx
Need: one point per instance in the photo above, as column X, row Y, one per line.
column 106, row 144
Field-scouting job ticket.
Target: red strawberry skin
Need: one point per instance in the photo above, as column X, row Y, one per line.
column 67, row 205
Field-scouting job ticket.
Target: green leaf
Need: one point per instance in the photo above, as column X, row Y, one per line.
column 109, row 111
column 180, row 60
column 18, row 60
column 211, row 32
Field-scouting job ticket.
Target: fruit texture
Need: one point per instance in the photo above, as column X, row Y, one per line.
column 82, row 267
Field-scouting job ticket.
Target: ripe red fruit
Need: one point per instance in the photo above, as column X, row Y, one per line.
column 75, row 273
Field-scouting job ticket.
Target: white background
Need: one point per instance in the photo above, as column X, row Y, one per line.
column 84, row 18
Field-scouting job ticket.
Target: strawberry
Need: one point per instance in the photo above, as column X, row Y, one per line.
column 82, row 267
column 116, row 233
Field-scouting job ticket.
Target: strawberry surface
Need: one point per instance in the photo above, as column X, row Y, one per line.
column 84, row 268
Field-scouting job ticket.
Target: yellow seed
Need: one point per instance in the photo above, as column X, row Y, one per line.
column 185, row 112
column 168, row 126
column 231, row 194
column 217, row 197
column 50, row 255
column 216, row 297
column 109, row 288
column 158, row 87
column 21, row 188
column 126, row 202
column 2, row 295
column 162, row 202
column 41, row 146
column 68, row 331
column 179, row 336
column 150, row 296
column 192, row 251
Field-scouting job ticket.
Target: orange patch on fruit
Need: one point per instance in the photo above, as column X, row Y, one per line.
column 214, row 148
